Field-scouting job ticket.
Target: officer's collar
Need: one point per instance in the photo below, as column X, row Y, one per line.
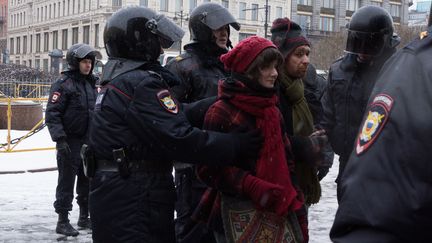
column 117, row 66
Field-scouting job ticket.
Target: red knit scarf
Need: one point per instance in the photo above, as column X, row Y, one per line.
column 272, row 164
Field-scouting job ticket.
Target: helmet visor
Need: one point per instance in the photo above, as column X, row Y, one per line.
column 366, row 43
column 218, row 18
column 167, row 30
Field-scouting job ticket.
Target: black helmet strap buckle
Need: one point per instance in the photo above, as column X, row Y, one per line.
column 152, row 26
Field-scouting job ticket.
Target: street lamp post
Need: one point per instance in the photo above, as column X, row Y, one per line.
column 180, row 15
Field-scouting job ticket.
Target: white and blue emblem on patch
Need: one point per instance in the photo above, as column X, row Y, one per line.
column 377, row 117
column 167, row 102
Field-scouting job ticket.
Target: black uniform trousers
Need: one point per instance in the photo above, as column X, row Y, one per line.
column 189, row 192
column 139, row 208
column 70, row 166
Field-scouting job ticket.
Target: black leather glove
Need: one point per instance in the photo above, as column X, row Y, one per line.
column 247, row 143
column 63, row 147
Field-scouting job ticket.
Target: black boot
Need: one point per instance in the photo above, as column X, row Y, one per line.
column 64, row 227
column 83, row 220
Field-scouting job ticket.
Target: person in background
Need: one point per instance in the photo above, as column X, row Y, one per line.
column 295, row 48
column 199, row 70
column 68, row 114
column 386, row 185
column 371, row 41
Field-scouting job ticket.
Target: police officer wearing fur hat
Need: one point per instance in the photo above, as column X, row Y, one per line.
column 68, row 114
column 370, row 43
column 386, row 185
column 199, row 70
column 139, row 128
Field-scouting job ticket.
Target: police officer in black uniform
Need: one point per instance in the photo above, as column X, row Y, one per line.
column 386, row 186
column 68, row 115
column 370, row 43
column 139, row 128
column 199, row 70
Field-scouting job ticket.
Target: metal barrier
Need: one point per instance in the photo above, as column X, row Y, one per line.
column 11, row 144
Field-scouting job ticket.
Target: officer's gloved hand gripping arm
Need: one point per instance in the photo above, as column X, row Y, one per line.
column 155, row 115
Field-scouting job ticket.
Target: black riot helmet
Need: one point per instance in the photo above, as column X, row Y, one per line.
column 139, row 33
column 370, row 32
column 208, row 17
column 78, row 52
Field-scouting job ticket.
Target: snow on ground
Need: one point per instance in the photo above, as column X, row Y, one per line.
column 27, row 214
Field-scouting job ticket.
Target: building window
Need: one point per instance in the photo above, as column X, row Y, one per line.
column 54, row 10
column 18, row 45
column 68, row 7
column 64, row 39
column 326, row 24
column 74, row 35
column 164, row 5
column 79, row 6
column 64, row 8
column 352, row 5
column 31, row 44
column 37, row 14
column 38, row 43
column 46, row 13
column 37, row 63
column 143, row 3
column 395, row 10
column 244, row 36
column 96, row 31
column 11, row 46
column 45, row 65
column 378, row 4
column 24, row 44
column 327, row 3
column 304, row 21
column 178, row 5
column 55, row 39
column 254, row 12
column 304, row 2
column 49, row 15
column 192, row 5
column 278, row 12
column 225, row 3
column 86, row 34
column 30, row 63
column 242, row 10
column 46, row 41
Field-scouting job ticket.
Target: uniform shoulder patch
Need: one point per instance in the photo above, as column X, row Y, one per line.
column 55, row 97
column 167, row 102
column 377, row 117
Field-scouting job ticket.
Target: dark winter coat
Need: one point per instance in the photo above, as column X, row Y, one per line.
column 199, row 70
column 386, row 186
column 70, row 105
column 344, row 101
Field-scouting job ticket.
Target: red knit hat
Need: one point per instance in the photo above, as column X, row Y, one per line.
column 244, row 53
column 287, row 35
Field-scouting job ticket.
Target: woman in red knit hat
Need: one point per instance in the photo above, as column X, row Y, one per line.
column 260, row 200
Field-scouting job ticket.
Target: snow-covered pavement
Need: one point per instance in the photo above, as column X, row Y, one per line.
column 27, row 214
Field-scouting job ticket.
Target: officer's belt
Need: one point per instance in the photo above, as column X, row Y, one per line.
column 135, row 166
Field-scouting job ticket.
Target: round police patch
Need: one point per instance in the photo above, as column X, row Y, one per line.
column 377, row 117
column 167, row 102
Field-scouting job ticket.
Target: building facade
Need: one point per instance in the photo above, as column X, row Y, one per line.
column 3, row 30
column 320, row 17
column 37, row 27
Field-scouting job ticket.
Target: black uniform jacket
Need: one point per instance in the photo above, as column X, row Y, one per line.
column 387, row 184
column 345, row 100
column 135, row 110
column 70, row 105
column 199, row 70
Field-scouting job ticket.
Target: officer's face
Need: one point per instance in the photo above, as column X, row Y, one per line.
column 85, row 66
column 268, row 75
column 297, row 62
column 221, row 36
